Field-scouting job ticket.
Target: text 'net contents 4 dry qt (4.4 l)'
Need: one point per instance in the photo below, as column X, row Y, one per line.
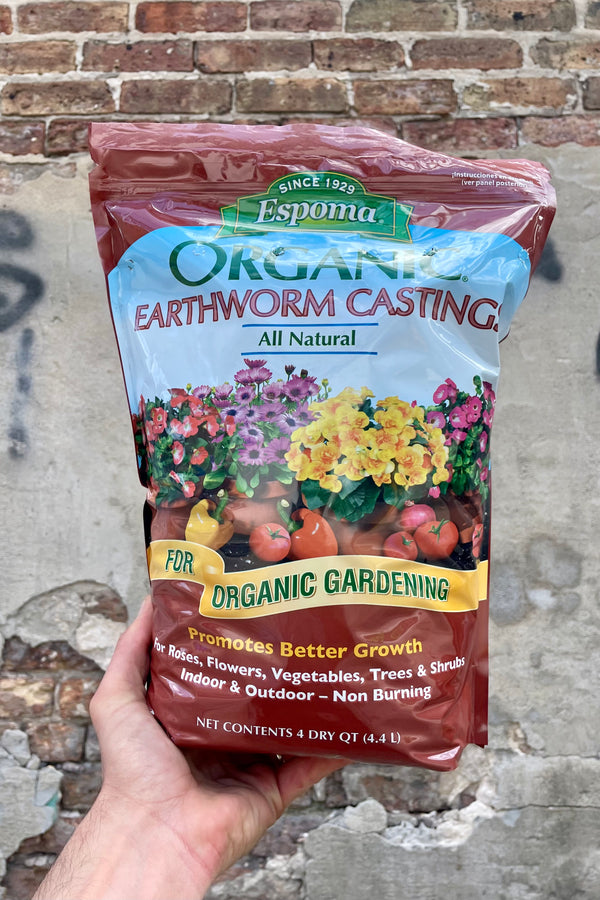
column 308, row 319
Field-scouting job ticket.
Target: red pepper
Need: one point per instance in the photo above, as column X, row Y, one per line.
column 312, row 536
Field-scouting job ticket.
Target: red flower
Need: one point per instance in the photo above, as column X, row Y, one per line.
column 178, row 452
column 230, row 425
column 187, row 427
column 189, row 488
column 178, row 396
column 159, row 420
column 199, row 455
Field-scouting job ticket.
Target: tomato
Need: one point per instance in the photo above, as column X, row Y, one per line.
column 314, row 537
column 417, row 514
column 270, row 542
column 401, row 545
column 437, row 540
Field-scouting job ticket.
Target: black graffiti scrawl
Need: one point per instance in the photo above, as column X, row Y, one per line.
column 20, row 290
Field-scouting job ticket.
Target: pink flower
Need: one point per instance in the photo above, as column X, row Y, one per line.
column 483, row 441
column 446, row 391
column 488, row 417
column 472, row 408
column 458, row 417
column 488, row 393
column 459, row 436
column 484, row 474
column 434, row 491
column 437, row 419
column 255, row 363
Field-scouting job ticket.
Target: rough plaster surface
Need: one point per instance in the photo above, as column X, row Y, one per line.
column 518, row 821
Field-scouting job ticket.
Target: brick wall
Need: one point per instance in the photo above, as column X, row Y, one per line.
column 457, row 75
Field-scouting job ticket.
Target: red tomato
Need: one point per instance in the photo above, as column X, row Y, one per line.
column 437, row 540
column 270, row 542
column 412, row 516
column 400, row 545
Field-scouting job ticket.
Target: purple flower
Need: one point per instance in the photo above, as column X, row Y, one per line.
column 201, row 392
column 303, row 414
column 276, row 450
column 248, row 414
column 253, row 376
column 299, row 389
column 245, row 394
column 436, row 418
column 251, row 434
column 223, row 391
column 271, row 412
column 273, row 391
column 252, row 455
column 288, row 423
column 224, row 403
column 255, row 363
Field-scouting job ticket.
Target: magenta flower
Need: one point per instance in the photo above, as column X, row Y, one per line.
column 300, row 389
column 458, row 435
column 273, row 391
column 488, row 417
column 483, row 439
column 436, row 418
column 458, row 417
column 223, row 391
column 472, row 408
column 488, row 393
column 446, row 391
column 201, row 392
column 255, row 363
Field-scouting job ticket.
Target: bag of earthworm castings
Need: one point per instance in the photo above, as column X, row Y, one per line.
column 308, row 320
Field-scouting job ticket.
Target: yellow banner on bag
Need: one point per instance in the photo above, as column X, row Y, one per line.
column 321, row 581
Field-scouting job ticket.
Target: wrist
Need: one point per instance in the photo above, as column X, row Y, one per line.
column 126, row 850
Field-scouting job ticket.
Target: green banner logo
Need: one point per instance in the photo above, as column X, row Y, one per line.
column 318, row 201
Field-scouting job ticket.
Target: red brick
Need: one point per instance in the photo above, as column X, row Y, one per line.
column 5, row 20
column 69, row 15
column 57, row 98
column 67, row 136
column 247, row 56
column 74, row 695
column 552, row 132
column 141, row 56
column 567, row 54
column 466, row 53
column 194, row 97
column 288, row 95
column 298, row 15
column 19, row 138
column 181, row 15
column 22, row 696
column 380, row 122
column 37, row 56
column 358, row 54
column 402, row 15
column 592, row 14
column 591, row 93
column 521, row 15
column 462, row 136
column 521, row 93
column 433, row 96
column 56, row 741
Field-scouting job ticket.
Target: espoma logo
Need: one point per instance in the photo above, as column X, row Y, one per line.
column 318, row 201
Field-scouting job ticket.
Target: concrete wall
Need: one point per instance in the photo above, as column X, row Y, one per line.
column 519, row 820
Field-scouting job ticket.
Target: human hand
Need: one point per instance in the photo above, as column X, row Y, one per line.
column 168, row 821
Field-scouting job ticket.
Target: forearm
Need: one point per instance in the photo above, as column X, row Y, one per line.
column 119, row 852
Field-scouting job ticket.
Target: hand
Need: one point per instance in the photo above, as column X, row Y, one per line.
column 167, row 822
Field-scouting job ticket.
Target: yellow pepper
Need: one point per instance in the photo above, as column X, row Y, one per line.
column 203, row 529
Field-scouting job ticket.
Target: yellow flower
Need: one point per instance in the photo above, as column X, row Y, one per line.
column 331, row 483
column 440, row 475
column 391, row 419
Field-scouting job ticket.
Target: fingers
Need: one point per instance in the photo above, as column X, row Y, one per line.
column 126, row 674
column 298, row 775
